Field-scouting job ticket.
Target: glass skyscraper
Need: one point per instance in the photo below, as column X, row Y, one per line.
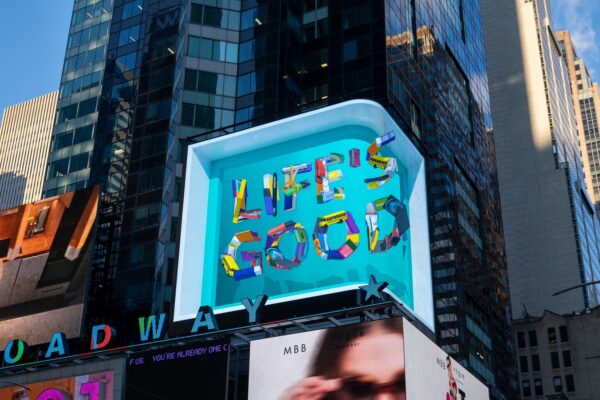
column 171, row 72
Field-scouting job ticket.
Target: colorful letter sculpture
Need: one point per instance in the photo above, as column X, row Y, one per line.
column 324, row 177
column 291, row 188
column 229, row 262
column 354, row 158
column 401, row 225
column 389, row 165
column 270, row 193
column 240, row 195
column 275, row 257
column 320, row 236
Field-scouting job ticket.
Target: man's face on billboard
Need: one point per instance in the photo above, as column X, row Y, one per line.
column 374, row 370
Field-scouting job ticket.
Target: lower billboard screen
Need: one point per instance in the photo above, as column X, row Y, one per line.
column 96, row 386
column 45, row 249
column 387, row 356
column 187, row 372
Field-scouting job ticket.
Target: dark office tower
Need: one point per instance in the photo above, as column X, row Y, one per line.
column 176, row 71
column 423, row 60
column 113, row 128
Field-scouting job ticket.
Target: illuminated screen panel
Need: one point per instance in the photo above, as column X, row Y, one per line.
column 95, row 386
column 184, row 372
column 388, row 357
column 45, row 251
column 302, row 207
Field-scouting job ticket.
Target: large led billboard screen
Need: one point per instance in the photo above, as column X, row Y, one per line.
column 196, row 371
column 45, row 251
column 94, row 386
column 306, row 206
column 388, row 357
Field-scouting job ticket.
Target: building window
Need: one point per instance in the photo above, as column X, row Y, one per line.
column 524, row 366
column 469, row 216
column 356, row 15
column 213, row 16
column 215, row 50
column 535, row 362
column 564, row 333
column 63, row 140
column 158, row 110
column 538, row 387
column 557, row 381
column 533, row 339
column 87, row 107
column 146, row 216
column 459, row 96
column 554, row 360
column 150, row 179
column 142, row 254
column 126, row 62
column 552, row 335
column 129, row 35
column 59, row 168
column 357, row 48
column 570, row 382
column 132, row 9
column 79, row 162
column 67, row 113
column 526, row 386
column 567, row 358
column 246, row 84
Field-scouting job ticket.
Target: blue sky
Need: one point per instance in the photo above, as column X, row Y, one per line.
column 33, row 36
column 582, row 18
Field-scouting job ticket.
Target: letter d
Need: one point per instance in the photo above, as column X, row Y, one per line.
column 107, row 334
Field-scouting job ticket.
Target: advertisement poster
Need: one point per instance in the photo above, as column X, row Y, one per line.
column 186, row 372
column 45, row 249
column 96, row 386
column 385, row 357
column 305, row 206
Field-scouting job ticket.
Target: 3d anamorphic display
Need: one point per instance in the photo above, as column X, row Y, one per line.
column 316, row 223
column 305, row 206
column 94, row 386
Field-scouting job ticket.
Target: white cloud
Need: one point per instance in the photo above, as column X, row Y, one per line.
column 578, row 16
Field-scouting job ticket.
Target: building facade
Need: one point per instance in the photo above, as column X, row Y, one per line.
column 586, row 102
column 25, row 132
column 424, row 62
column 552, row 230
column 176, row 72
column 558, row 355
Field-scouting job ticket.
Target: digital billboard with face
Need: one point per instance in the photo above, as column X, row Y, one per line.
column 302, row 207
column 388, row 358
column 45, row 251
column 95, row 386
column 186, row 372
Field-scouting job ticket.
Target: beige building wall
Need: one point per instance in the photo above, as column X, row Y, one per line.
column 584, row 89
column 534, row 129
column 560, row 353
column 25, row 133
column 570, row 57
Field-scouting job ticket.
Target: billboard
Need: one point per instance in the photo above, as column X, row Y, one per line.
column 44, row 257
column 192, row 371
column 94, row 386
column 387, row 357
column 302, row 207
